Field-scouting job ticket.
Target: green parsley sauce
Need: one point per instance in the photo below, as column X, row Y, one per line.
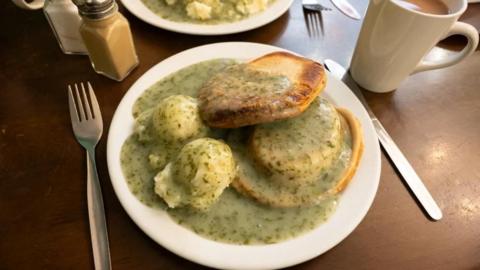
column 234, row 218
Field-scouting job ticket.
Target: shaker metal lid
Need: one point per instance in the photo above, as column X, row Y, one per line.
column 96, row 9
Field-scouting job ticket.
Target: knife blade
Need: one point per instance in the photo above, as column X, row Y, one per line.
column 398, row 159
column 346, row 8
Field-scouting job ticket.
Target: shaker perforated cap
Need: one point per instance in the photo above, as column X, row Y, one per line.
column 96, row 9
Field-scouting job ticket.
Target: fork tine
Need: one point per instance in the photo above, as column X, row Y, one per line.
column 305, row 18
column 72, row 107
column 88, row 112
column 319, row 23
column 95, row 107
column 81, row 113
column 313, row 25
column 308, row 22
column 309, row 26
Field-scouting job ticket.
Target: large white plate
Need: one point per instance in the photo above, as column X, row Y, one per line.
column 274, row 11
column 352, row 207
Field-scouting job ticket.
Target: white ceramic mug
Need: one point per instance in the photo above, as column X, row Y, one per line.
column 35, row 4
column 394, row 40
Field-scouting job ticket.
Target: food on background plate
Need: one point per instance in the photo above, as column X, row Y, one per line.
column 286, row 174
column 206, row 11
column 273, row 87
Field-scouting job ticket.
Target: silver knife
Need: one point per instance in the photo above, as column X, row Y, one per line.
column 399, row 160
column 346, row 8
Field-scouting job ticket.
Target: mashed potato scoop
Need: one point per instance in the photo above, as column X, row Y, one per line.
column 176, row 118
column 198, row 176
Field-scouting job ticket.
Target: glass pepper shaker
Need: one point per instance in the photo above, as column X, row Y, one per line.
column 107, row 36
column 62, row 15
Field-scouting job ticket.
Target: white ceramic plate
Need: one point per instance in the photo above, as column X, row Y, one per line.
column 274, row 11
column 353, row 204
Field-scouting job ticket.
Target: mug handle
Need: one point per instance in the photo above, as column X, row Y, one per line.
column 35, row 4
column 458, row 28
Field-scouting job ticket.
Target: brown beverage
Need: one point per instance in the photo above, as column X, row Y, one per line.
column 426, row 6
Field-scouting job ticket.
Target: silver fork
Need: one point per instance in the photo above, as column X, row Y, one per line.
column 312, row 11
column 88, row 126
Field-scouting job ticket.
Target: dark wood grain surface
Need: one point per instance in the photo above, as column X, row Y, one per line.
column 434, row 117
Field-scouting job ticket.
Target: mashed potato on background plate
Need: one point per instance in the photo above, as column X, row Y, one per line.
column 206, row 10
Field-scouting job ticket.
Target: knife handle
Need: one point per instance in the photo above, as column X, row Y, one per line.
column 413, row 180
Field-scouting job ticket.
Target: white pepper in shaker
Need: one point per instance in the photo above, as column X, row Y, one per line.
column 62, row 15
column 107, row 36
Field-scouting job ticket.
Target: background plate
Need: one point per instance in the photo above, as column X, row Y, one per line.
column 352, row 207
column 274, row 11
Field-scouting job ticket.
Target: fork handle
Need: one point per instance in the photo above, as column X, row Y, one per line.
column 96, row 216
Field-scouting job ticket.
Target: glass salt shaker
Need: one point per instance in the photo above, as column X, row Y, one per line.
column 63, row 17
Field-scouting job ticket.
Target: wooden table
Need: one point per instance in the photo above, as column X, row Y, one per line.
column 434, row 117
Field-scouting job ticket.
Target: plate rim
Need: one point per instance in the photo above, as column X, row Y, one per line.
column 212, row 261
column 273, row 12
